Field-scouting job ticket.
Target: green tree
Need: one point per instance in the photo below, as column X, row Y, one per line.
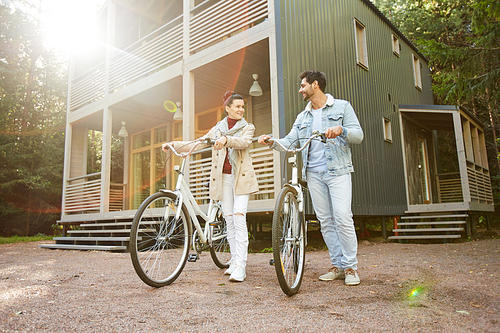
column 32, row 103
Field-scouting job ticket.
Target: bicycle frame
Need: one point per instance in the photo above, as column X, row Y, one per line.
column 294, row 183
column 186, row 197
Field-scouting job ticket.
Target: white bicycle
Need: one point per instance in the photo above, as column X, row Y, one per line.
column 162, row 231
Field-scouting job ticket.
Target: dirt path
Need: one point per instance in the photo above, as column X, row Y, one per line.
column 404, row 287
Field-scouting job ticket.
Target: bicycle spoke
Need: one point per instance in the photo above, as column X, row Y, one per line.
column 159, row 243
column 288, row 242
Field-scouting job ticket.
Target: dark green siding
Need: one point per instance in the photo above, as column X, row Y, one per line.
column 320, row 35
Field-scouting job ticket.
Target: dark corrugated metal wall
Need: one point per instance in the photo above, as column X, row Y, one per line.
column 320, row 35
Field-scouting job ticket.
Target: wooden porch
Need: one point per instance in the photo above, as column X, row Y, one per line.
column 447, row 174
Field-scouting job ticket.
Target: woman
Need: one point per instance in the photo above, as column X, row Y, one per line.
column 232, row 177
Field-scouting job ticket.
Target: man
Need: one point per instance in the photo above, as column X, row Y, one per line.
column 327, row 169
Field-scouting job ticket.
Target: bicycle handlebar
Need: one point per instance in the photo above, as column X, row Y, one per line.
column 314, row 135
column 197, row 142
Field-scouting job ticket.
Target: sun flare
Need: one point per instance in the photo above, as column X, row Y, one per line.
column 70, row 25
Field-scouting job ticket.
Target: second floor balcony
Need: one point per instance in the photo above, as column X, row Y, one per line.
column 123, row 58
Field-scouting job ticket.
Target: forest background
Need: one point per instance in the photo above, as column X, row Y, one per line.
column 461, row 39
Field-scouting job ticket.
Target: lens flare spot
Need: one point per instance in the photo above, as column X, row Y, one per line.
column 415, row 292
column 170, row 106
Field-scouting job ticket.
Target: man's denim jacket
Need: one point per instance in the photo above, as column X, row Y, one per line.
column 337, row 151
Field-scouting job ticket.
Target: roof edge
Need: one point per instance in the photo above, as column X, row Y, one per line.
column 442, row 107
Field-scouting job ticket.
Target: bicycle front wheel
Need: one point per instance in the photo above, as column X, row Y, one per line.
column 159, row 239
column 288, row 239
column 219, row 249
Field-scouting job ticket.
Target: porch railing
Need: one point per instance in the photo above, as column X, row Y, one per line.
column 479, row 183
column 262, row 160
column 449, row 187
column 83, row 195
column 116, row 197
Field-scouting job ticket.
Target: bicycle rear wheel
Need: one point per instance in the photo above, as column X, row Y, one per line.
column 159, row 242
column 288, row 239
column 219, row 249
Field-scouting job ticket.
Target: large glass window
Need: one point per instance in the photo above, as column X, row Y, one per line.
column 148, row 163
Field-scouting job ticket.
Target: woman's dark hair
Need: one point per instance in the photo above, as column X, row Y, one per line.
column 229, row 97
column 314, row 75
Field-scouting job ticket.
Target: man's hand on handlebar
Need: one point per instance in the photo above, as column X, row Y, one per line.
column 333, row 132
column 264, row 140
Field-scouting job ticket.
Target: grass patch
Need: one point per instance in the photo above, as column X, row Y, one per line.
column 20, row 239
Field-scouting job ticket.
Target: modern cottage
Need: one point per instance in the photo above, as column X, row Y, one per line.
column 163, row 67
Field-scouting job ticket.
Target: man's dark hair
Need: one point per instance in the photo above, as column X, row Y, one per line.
column 314, row 75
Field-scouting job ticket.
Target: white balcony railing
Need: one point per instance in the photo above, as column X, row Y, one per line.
column 210, row 24
column 152, row 55
column 87, row 88
column 223, row 19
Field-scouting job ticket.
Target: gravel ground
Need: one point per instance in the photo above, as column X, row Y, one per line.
column 452, row 287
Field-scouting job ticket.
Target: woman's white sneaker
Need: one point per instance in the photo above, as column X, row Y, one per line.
column 238, row 274
column 230, row 269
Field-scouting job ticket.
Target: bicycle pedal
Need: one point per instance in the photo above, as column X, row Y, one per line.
column 271, row 262
column 193, row 257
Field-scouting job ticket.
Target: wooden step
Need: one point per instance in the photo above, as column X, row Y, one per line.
column 91, row 239
column 417, row 217
column 428, row 230
column 84, row 247
column 431, row 223
column 103, row 225
column 106, row 231
column 425, row 237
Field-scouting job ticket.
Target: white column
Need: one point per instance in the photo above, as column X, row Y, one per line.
column 273, row 71
column 187, row 5
column 126, row 143
column 68, row 134
column 107, row 120
column 107, row 116
column 188, row 120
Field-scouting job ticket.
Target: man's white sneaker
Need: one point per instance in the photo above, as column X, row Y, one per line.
column 230, row 269
column 351, row 277
column 334, row 273
column 238, row 274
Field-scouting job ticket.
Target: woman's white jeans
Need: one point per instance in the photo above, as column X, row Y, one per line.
column 331, row 197
column 234, row 208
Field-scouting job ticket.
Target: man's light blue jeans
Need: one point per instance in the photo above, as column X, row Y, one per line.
column 331, row 197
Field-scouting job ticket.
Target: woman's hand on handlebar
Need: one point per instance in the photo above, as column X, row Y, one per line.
column 220, row 143
column 165, row 147
column 264, row 140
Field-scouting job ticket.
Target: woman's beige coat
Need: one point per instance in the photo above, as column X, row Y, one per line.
column 245, row 179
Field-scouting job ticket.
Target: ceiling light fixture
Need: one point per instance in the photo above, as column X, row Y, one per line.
column 255, row 89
